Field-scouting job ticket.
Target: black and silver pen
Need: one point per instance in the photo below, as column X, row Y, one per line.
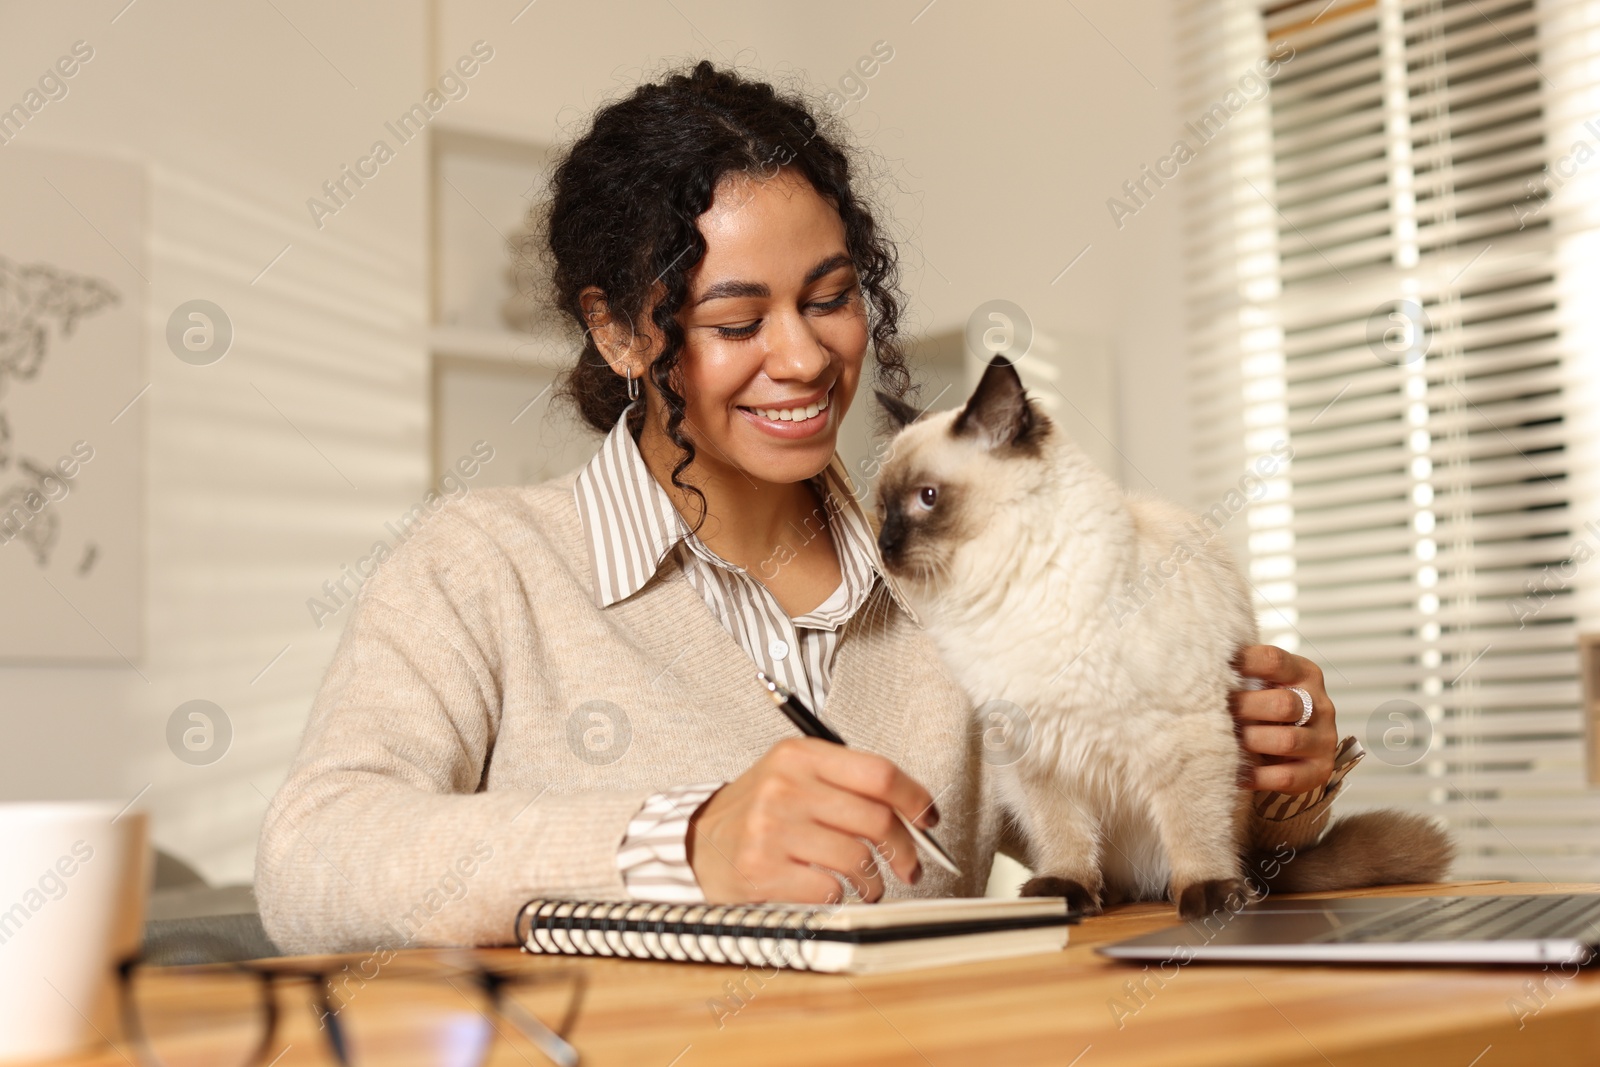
column 808, row 723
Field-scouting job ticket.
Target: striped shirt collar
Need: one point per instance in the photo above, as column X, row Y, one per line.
column 631, row 526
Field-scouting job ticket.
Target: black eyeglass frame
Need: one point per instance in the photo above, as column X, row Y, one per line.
column 492, row 982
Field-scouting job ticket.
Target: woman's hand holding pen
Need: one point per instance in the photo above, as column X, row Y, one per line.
column 807, row 802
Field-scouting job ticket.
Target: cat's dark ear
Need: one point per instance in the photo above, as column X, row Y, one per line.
column 998, row 413
column 900, row 413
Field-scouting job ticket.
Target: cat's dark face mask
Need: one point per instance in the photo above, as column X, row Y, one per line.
column 924, row 515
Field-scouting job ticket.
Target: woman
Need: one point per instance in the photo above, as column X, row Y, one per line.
column 550, row 690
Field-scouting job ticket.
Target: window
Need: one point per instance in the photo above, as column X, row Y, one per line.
column 1390, row 258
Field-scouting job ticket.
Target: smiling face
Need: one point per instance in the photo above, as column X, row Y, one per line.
column 775, row 331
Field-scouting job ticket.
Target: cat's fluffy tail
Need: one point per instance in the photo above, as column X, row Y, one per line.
column 1368, row 848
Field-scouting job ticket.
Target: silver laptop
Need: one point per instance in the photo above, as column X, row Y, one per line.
column 1562, row 928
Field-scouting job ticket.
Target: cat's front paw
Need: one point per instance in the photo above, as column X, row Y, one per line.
column 1211, row 896
column 1079, row 899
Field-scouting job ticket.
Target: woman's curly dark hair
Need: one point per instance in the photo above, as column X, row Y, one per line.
column 624, row 198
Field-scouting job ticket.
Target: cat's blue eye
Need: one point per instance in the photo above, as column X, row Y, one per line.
column 926, row 496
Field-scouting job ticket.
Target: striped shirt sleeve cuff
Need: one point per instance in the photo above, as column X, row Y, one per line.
column 652, row 857
column 1281, row 807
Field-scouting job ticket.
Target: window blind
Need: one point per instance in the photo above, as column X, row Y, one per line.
column 1392, row 269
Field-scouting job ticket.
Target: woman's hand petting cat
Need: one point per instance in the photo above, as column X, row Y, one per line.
column 1296, row 759
column 805, row 805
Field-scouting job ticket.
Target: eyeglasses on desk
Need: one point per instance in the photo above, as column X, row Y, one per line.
column 447, row 1010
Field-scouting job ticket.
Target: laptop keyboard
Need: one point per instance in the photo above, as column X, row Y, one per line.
column 1524, row 918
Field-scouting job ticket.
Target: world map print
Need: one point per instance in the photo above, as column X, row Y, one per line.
column 40, row 305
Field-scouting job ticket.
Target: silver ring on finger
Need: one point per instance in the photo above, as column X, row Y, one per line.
column 1305, row 705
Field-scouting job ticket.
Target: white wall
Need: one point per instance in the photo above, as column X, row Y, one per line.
column 239, row 120
column 1003, row 128
column 1000, row 130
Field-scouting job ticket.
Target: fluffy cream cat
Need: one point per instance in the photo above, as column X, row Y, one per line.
column 1012, row 546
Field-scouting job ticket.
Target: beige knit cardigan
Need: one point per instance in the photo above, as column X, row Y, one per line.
column 449, row 771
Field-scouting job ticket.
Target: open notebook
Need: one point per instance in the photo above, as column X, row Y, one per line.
column 852, row 938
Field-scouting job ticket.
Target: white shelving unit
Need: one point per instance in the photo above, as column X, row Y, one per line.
column 491, row 382
column 548, row 351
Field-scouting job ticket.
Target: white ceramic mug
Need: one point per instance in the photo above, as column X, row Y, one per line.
column 74, row 877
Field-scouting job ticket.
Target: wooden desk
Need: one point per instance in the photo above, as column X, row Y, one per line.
column 1071, row 1008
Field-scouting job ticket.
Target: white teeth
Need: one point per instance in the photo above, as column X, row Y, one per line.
column 795, row 414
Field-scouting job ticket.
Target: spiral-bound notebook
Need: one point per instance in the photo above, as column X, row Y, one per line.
column 851, row 938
